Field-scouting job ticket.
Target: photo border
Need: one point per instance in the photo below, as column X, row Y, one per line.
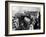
column 6, row 18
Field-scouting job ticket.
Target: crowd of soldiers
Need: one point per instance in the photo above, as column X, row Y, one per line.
column 23, row 21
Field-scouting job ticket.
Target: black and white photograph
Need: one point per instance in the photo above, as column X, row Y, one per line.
column 24, row 18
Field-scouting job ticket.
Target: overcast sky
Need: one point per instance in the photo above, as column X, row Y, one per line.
column 21, row 9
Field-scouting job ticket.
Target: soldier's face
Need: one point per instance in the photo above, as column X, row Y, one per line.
column 27, row 20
